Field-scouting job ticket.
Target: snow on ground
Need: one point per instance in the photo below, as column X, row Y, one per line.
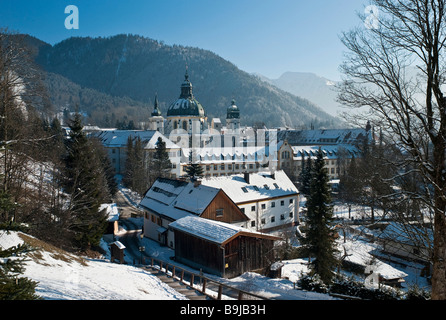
column 65, row 277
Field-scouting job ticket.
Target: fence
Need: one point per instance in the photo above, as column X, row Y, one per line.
column 211, row 288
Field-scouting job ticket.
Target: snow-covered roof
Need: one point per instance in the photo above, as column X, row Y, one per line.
column 261, row 185
column 118, row 138
column 227, row 154
column 177, row 199
column 118, row 244
column 329, row 151
column 213, row 231
column 329, row 136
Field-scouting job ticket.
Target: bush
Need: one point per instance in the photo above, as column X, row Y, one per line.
column 348, row 287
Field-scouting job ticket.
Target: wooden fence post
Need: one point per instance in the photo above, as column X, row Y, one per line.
column 220, row 289
column 204, row 285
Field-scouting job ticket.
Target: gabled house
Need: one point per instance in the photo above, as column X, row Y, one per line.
column 169, row 200
column 221, row 248
column 269, row 200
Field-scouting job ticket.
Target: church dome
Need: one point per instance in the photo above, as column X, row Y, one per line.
column 186, row 104
column 233, row 112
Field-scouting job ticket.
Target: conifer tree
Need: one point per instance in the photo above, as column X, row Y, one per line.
column 194, row 170
column 161, row 163
column 13, row 286
column 306, row 175
column 87, row 185
column 319, row 237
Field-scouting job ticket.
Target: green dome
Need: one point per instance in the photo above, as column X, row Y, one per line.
column 186, row 105
column 233, row 112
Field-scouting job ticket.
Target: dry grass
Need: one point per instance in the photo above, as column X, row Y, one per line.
column 56, row 253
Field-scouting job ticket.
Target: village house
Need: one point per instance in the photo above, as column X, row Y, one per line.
column 269, row 200
column 221, row 248
column 169, row 200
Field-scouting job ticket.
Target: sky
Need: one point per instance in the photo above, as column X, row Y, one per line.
column 268, row 37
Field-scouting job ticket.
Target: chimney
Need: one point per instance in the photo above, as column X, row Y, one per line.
column 197, row 182
column 246, row 176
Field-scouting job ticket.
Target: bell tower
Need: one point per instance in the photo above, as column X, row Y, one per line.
column 156, row 121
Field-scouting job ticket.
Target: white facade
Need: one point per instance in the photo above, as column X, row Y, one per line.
column 335, row 157
column 271, row 201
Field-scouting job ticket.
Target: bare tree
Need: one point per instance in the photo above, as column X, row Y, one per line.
column 395, row 68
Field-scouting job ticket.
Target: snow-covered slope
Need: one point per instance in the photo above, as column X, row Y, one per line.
column 62, row 276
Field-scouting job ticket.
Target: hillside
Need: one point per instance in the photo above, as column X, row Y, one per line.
column 63, row 276
column 137, row 68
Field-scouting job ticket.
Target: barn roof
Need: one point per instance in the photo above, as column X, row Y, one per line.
column 214, row 231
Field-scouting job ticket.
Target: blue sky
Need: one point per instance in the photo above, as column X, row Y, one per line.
column 263, row 36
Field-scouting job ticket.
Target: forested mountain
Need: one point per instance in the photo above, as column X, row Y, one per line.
column 119, row 76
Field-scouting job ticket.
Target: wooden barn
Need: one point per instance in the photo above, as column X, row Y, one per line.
column 220, row 248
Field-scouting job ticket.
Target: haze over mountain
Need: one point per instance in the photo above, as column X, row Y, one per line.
column 118, row 76
column 319, row 90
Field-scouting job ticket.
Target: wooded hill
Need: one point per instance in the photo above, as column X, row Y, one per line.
column 118, row 77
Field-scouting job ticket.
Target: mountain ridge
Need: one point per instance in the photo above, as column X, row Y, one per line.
column 138, row 68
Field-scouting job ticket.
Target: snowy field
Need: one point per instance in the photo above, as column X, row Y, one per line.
column 65, row 277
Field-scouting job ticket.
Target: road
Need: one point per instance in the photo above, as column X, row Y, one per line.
column 127, row 221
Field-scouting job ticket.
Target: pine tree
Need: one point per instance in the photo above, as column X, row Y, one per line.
column 306, row 175
column 193, row 169
column 160, row 161
column 13, row 286
column 87, row 185
column 319, row 237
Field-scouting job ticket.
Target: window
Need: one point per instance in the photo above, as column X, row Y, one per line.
column 282, row 203
column 263, row 206
column 273, row 219
column 219, row 213
column 266, row 186
column 276, row 185
column 256, row 188
column 263, row 221
column 253, row 223
column 291, row 214
column 242, row 209
column 282, row 217
column 208, row 168
column 215, row 167
column 245, row 190
column 253, row 208
column 222, row 167
column 291, row 200
column 273, row 204
column 229, row 166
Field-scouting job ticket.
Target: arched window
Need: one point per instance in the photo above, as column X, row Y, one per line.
column 175, row 125
column 185, row 125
